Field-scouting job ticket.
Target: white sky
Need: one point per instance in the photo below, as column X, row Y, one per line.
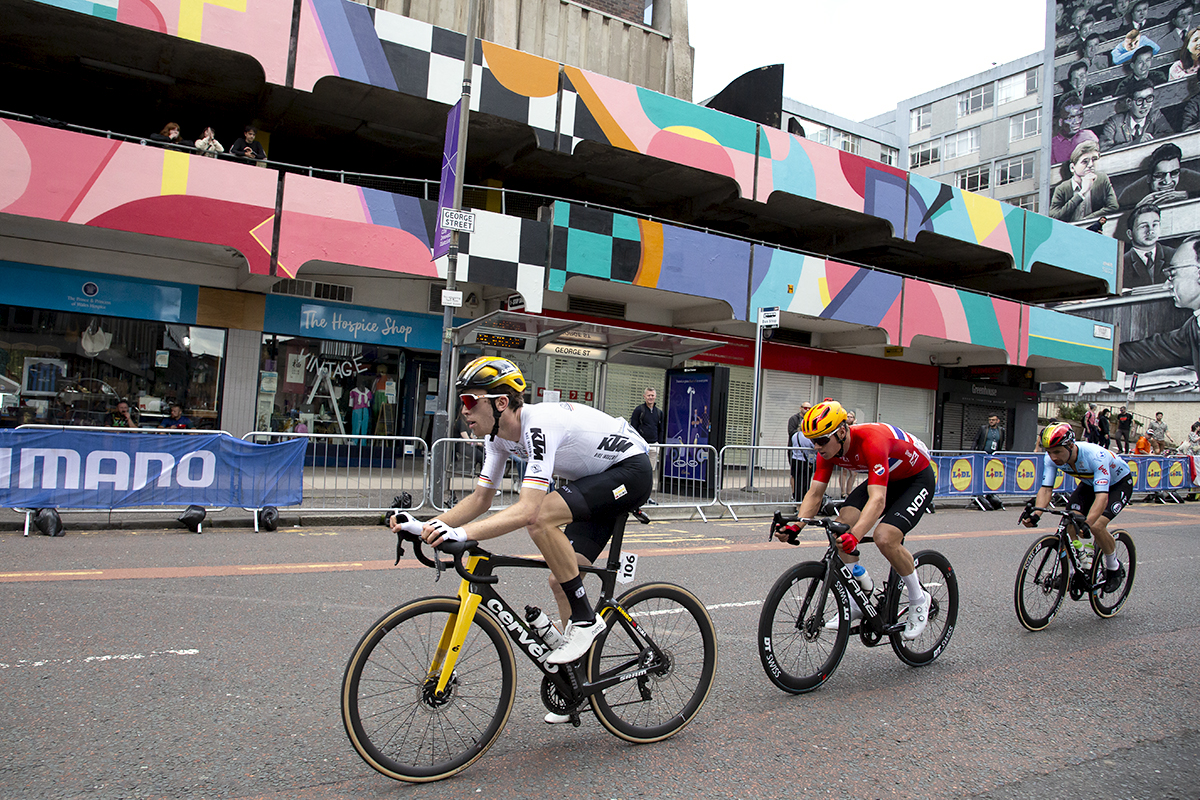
column 858, row 58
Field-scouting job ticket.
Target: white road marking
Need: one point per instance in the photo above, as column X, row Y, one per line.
column 97, row 659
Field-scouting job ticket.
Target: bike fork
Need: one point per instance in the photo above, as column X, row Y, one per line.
column 455, row 632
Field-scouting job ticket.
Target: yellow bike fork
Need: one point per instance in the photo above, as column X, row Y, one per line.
column 455, row 632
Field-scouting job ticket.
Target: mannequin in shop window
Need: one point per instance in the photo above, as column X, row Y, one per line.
column 360, row 410
column 380, row 403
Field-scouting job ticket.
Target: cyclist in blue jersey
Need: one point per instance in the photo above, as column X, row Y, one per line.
column 1105, row 485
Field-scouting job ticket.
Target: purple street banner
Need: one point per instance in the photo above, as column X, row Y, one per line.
column 442, row 236
column 42, row 468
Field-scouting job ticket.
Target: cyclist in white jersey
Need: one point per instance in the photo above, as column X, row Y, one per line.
column 602, row 457
column 1105, row 486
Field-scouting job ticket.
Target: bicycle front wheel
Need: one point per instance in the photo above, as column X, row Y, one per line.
column 1107, row 604
column 939, row 581
column 394, row 716
column 796, row 649
column 1041, row 583
column 660, row 703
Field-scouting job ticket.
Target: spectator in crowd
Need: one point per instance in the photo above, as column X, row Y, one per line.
column 1140, row 122
column 1189, row 57
column 1139, row 15
column 1139, row 70
column 1165, row 181
column 1176, row 35
column 1191, row 445
column 990, row 437
column 208, row 144
column 1180, row 347
column 649, row 421
column 175, row 419
column 1096, row 58
column 1156, row 432
column 169, row 136
column 463, row 431
column 247, row 148
column 121, row 417
column 1069, row 131
column 1087, row 193
column 798, row 456
column 1105, row 439
column 1125, row 423
column 1091, row 428
column 1142, row 447
column 795, row 419
column 1146, row 258
column 1133, row 41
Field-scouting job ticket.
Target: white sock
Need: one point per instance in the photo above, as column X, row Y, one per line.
column 913, row 585
column 1111, row 562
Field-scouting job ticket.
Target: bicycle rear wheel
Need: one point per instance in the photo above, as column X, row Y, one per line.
column 1107, row 604
column 939, row 581
column 1041, row 583
column 660, row 703
column 393, row 715
column 797, row 651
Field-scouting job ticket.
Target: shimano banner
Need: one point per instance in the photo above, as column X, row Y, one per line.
column 92, row 469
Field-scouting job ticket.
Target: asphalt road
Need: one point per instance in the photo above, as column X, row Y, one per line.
column 159, row 663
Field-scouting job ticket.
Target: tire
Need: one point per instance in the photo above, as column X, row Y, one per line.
column 939, row 580
column 1107, row 604
column 796, row 650
column 1041, row 583
column 663, row 702
column 391, row 720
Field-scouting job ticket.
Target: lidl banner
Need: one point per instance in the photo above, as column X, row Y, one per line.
column 94, row 469
column 974, row 474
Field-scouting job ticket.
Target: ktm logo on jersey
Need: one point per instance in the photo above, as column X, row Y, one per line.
column 615, row 443
column 538, row 439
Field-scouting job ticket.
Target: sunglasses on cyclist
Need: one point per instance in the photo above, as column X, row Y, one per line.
column 821, row 441
column 469, row 400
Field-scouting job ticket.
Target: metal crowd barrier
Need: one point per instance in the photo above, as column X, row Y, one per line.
column 355, row 473
column 686, row 476
column 460, row 460
column 29, row 512
column 758, row 476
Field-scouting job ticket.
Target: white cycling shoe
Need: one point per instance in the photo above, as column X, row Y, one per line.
column 856, row 614
column 917, row 617
column 579, row 637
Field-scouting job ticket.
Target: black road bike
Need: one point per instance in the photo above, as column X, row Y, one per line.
column 1052, row 567
column 430, row 686
column 799, row 653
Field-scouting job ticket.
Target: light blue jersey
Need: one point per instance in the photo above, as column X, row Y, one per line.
column 1094, row 464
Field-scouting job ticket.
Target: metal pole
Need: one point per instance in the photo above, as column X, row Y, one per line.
column 441, row 416
column 754, row 402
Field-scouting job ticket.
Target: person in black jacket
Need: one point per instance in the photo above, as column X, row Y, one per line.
column 648, row 420
column 990, row 437
column 246, row 148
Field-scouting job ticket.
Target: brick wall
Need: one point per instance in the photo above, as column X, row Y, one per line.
column 631, row 10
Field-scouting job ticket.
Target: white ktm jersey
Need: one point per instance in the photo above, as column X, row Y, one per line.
column 563, row 439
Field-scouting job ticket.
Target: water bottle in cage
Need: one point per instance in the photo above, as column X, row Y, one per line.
column 541, row 625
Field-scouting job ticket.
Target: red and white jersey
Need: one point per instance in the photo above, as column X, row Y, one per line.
column 882, row 451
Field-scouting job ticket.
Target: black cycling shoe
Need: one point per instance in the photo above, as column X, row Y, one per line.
column 1113, row 578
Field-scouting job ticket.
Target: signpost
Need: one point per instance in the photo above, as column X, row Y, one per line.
column 768, row 318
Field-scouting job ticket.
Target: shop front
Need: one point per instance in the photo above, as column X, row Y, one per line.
column 74, row 344
column 347, row 370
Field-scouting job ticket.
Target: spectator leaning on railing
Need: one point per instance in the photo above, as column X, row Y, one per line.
column 208, row 144
column 247, row 148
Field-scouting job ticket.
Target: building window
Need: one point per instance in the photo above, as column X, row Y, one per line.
column 920, row 118
column 1025, row 201
column 648, row 13
column 1025, row 125
column 839, row 139
column 961, row 144
column 976, row 100
column 888, row 155
column 1013, row 170
column 923, row 154
column 975, row 179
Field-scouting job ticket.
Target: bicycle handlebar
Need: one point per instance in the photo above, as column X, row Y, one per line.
column 831, row 526
column 1079, row 519
column 410, row 529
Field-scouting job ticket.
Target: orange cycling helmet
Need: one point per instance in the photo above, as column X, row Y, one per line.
column 1057, row 435
column 823, row 419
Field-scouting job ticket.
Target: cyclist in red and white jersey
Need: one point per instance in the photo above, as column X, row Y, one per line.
column 899, row 489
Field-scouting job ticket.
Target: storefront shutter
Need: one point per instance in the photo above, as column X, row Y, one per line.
column 569, row 374
column 909, row 409
column 952, row 426
column 625, row 385
column 783, row 392
column 858, row 396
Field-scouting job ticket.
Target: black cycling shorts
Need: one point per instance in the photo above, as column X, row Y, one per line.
column 1118, row 497
column 598, row 502
column 906, row 500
